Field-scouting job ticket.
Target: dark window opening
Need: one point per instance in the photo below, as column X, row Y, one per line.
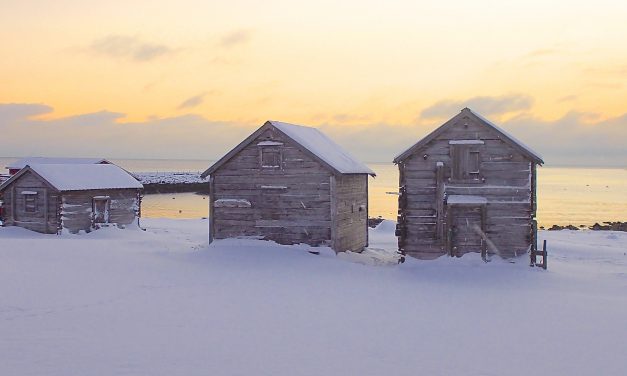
column 270, row 158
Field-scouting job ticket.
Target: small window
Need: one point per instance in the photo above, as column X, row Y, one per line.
column 270, row 158
column 30, row 202
column 466, row 163
column 473, row 164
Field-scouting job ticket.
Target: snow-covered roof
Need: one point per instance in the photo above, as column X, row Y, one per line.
column 21, row 163
column 312, row 140
column 323, row 147
column 508, row 135
column 537, row 158
column 78, row 177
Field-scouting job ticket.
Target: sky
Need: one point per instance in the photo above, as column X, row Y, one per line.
column 190, row 79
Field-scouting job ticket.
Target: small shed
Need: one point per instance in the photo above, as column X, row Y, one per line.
column 290, row 184
column 468, row 186
column 29, row 161
column 49, row 197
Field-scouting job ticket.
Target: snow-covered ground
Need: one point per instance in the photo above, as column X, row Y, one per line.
column 162, row 302
column 169, row 177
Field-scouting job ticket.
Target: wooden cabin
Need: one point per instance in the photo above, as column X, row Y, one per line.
column 29, row 161
column 290, row 184
column 468, row 186
column 50, row 197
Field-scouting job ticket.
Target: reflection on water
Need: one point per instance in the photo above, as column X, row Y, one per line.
column 175, row 205
column 565, row 195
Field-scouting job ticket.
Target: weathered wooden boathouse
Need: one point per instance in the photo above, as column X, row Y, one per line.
column 290, row 184
column 50, row 197
column 468, row 186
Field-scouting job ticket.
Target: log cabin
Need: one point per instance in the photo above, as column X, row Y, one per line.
column 290, row 184
column 21, row 163
column 48, row 198
column 468, row 186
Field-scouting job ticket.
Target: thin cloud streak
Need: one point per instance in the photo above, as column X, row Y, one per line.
column 121, row 46
column 235, row 38
column 484, row 105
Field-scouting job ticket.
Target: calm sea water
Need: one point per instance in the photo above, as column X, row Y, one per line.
column 565, row 195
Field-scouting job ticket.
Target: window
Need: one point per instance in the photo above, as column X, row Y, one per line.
column 270, row 157
column 466, row 163
column 30, row 201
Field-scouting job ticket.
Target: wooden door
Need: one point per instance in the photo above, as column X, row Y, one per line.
column 466, row 226
column 101, row 209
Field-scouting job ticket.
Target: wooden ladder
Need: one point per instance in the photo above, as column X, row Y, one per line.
column 534, row 256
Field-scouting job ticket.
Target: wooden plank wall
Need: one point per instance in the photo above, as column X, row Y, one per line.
column 44, row 220
column 76, row 211
column 351, row 212
column 294, row 207
column 506, row 186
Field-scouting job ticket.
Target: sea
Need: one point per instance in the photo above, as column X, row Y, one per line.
column 566, row 195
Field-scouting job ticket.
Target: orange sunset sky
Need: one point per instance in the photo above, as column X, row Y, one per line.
column 190, row 79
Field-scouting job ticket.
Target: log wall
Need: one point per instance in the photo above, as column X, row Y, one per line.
column 44, row 218
column 350, row 211
column 77, row 210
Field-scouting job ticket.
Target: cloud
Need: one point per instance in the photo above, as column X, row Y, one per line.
column 577, row 138
column 484, row 105
column 191, row 102
column 236, row 37
column 127, row 47
column 567, row 98
column 104, row 134
column 18, row 112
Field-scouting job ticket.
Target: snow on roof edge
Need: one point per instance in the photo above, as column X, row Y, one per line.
column 509, row 135
column 323, row 147
column 23, row 162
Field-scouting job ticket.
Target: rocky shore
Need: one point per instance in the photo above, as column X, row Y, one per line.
column 172, row 182
column 606, row 226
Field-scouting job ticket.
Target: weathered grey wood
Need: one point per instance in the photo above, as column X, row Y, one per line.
column 302, row 201
column 505, row 178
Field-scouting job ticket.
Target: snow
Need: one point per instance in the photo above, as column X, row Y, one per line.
column 507, row 134
column 21, row 163
column 466, row 199
column 273, row 187
column 163, row 302
column 28, row 192
column 269, row 143
column 324, row 148
column 232, row 203
column 169, row 177
column 86, row 176
column 466, row 142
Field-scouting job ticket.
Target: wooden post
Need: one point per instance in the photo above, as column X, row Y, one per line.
column 439, row 180
column 335, row 243
column 212, row 199
column 544, row 254
column 484, row 243
column 46, row 210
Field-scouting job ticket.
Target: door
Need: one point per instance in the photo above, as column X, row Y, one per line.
column 101, row 209
column 466, row 228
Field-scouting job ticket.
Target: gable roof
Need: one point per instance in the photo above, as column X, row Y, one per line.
column 505, row 136
column 72, row 177
column 312, row 141
column 21, row 163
